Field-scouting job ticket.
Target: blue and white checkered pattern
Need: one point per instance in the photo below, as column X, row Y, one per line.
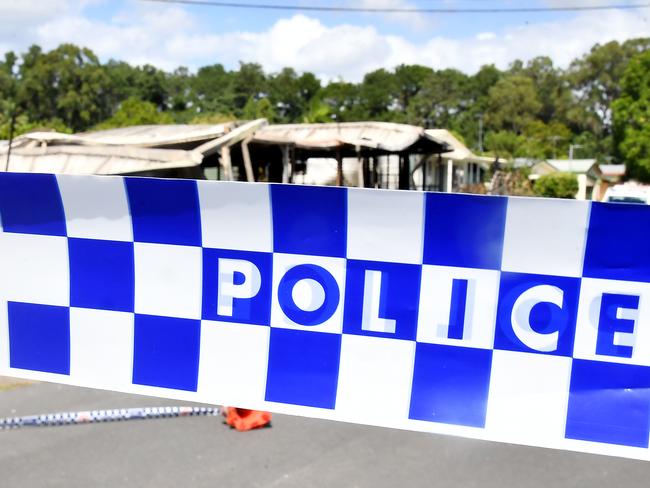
column 512, row 319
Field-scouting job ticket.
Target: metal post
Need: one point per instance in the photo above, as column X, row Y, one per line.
column 425, row 161
column 404, row 174
column 248, row 166
column 285, row 164
column 360, row 170
column 12, row 125
column 375, row 172
column 571, row 148
column 339, row 168
column 450, row 175
column 226, row 163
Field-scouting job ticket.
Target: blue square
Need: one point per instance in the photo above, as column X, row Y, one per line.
column 544, row 317
column 450, row 384
column 101, row 274
column 303, row 368
column 240, row 308
column 309, row 220
column 464, row 230
column 609, row 402
column 166, row 352
column 388, row 292
column 39, row 337
column 617, row 242
column 31, row 204
column 164, row 211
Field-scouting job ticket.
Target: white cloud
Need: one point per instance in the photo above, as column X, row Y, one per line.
column 170, row 36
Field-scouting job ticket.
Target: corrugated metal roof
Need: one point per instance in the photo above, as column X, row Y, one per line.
column 159, row 135
column 99, row 160
column 384, row 136
column 139, row 135
column 459, row 150
column 612, row 169
column 572, row 165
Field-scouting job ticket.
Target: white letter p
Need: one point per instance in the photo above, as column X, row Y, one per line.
column 227, row 289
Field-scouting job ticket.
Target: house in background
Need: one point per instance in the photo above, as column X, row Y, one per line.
column 587, row 172
column 611, row 175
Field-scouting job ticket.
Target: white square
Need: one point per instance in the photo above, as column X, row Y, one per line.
column 528, row 397
column 101, row 348
column 233, row 363
column 591, row 292
column 34, row 269
column 168, row 280
column 96, row 207
column 375, row 376
column 236, row 216
column 545, row 236
column 309, row 297
column 385, row 226
column 4, row 337
column 480, row 306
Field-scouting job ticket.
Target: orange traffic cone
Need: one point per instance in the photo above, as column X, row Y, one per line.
column 243, row 419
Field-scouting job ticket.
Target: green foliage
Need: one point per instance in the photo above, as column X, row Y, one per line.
column 319, row 112
column 212, row 118
column 513, row 103
column 23, row 125
column 557, row 185
column 632, row 118
column 258, row 109
column 66, row 83
column 136, row 112
column 595, row 80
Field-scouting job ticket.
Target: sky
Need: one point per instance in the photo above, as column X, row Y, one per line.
column 331, row 45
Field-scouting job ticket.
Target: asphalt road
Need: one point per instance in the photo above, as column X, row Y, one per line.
column 295, row 452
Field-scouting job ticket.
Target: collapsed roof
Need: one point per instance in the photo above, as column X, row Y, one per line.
column 351, row 139
column 143, row 149
column 129, row 150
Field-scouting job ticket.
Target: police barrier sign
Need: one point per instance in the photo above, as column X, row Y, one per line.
column 511, row 319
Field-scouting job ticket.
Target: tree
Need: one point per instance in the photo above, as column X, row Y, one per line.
column 343, row 101
column 409, row 81
column 441, row 98
column 596, row 82
column 291, row 94
column 504, row 144
column 376, row 95
column 557, row 185
column 249, row 81
column 177, row 88
column 512, row 103
column 632, row 118
column 211, row 90
column 7, row 77
column 551, row 87
column 67, row 83
column 318, row 112
column 258, row 109
column 544, row 141
column 134, row 111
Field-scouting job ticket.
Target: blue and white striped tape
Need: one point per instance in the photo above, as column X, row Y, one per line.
column 511, row 319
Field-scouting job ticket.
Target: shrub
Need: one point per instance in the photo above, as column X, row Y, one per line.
column 557, row 185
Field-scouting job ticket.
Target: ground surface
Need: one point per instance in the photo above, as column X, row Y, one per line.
column 296, row 452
